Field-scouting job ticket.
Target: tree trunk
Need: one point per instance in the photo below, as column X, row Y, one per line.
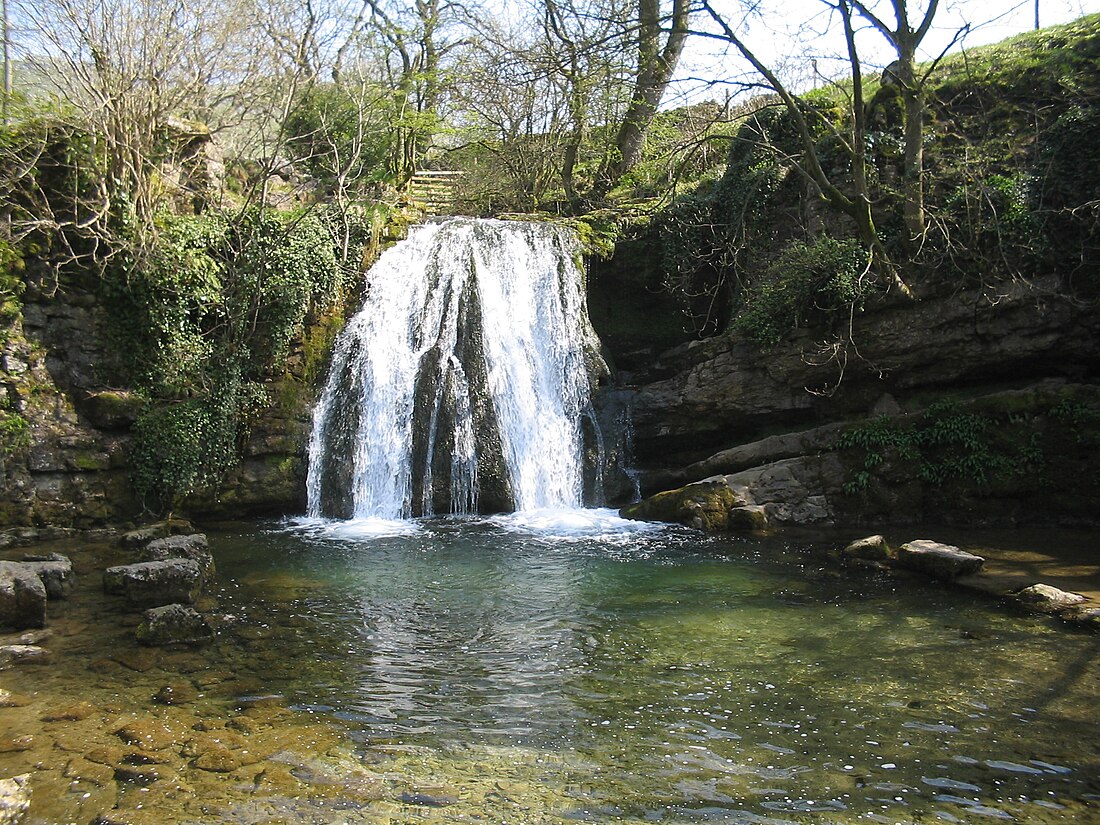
column 655, row 68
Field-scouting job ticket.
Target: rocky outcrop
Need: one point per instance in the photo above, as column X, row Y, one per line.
column 193, row 547
column 768, row 422
column 68, row 467
column 22, row 597
column 725, row 392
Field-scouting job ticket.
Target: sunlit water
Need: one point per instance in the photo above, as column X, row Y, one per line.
column 551, row 667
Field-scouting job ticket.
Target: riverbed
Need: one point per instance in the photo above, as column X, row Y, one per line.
column 554, row 668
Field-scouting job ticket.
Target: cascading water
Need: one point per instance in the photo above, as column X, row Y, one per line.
column 464, row 382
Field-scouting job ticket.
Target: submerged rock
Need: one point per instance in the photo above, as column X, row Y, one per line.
column 22, row 596
column 941, row 561
column 15, row 798
column 23, row 655
column 174, row 624
column 871, row 548
column 154, row 583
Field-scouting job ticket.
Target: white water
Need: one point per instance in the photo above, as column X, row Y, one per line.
column 488, row 318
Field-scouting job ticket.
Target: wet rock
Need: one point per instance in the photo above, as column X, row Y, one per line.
column 174, row 624
column 1045, row 597
column 155, row 583
column 941, row 561
column 16, row 744
column 752, row 518
column 15, row 798
column 435, row 800
column 160, row 529
column 148, row 734
column 177, row 693
column 23, row 655
column 140, row 774
column 269, row 700
column 193, row 547
column 703, row 506
column 83, row 770
column 137, row 660
column 56, row 572
column 22, row 597
column 71, row 713
column 871, row 548
column 104, row 755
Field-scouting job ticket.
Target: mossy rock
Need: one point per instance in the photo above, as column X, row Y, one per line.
column 704, row 506
column 113, row 409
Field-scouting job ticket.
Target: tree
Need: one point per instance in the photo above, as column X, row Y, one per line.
column 853, row 196
column 656, row 62
column 123, row 70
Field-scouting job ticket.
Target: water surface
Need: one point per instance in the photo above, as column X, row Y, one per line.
column 562, row 667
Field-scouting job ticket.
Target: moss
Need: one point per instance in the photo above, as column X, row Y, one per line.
column 704, row 506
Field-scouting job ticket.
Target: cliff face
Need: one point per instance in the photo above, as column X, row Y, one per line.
column 1013, row 361
column 64, row 461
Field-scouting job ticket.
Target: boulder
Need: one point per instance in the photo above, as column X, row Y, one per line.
column 174, row 624
column 56, row 572
column 15, row 798
column 751, row 518
column 871, row 548
column 193, row 546
column 941, row 561
column 22, row 596
column 154, row 583
column 704, row 506
column 1045, row 597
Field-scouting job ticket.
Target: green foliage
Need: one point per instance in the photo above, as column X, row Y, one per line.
column 211, row 315
column 330, row 131
column 15, row 432
column 11, row 282
column 808, row 279
column 1068, row 199
column 973, row 446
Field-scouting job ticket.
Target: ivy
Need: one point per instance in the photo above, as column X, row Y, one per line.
column 211, row 315
column 949, row 442
column 808, row 279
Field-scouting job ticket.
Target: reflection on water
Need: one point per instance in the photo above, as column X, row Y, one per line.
column 713, row 679
column 555, row 667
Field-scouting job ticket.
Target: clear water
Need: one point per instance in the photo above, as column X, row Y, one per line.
column 555, row 667
column 612, row 673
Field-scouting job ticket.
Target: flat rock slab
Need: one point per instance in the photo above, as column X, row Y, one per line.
column 193, row 546
column 154, row 583
column 941, row 561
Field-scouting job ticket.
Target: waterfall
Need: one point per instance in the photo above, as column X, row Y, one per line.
column 462, row 383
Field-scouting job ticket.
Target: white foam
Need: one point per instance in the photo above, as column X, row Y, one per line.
column 568, row 523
